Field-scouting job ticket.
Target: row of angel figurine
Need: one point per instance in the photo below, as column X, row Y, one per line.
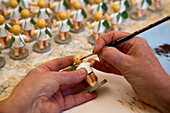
column 43, row 8
column 43, row 33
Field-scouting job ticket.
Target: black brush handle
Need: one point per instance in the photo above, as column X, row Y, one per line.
column 138, row 32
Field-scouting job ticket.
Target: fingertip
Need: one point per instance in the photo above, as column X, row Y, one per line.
column 82, row 71
column 90, row 96
column 102, row 41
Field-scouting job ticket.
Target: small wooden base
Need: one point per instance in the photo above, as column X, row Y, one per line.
column 91, row 40
column 154, row 9
column 2, row 62
column 37, row 49
column 135, row 17
column 57, row 39
column 81, row 29
column 20, row 57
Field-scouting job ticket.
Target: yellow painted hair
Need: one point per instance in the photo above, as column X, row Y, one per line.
column 74, row 59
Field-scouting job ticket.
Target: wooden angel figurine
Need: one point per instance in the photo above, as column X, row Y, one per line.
column 25, row 4
column 64, row 25
column 4, row 28
column 61, row 5
column 43, row 12
column 116, row 16
column 141, row 6
column 43, row 34
column 27, row 23
column 78, row 64
column 17, row 40
column 82, row 2
column 124, row 4
column 98, row 6
column 98, row 25
column 14, row 12
column 78, row 15
column 3, row 7
column 49, row 3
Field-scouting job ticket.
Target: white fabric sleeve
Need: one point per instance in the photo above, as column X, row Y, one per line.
column 111, row 16
column 10, row 37
column 92, row 7
column 72, row 13
column 49, row 11
column 9, row 10
column 55, row 4
column 93, row 24
column 21, row 21
column 8, row 25
column 29, row 1
column 35, row 31
column 37, row 10
column 48, row 29
column 102, row 21
column 58, row 23
column 23, row 36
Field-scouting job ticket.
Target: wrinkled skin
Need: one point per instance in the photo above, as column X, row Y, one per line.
column 135, row 61
column 45, row 90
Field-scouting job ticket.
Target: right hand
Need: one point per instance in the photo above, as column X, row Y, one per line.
column 135, row 60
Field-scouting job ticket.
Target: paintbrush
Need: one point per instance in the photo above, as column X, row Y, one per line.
column 134, row 34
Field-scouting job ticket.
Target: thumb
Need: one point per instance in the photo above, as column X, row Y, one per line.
column 115, row 57
column 71, row 77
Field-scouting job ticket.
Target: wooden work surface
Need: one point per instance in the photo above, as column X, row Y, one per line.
column 116, row 96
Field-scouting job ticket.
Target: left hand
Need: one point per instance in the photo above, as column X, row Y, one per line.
column 46, row 90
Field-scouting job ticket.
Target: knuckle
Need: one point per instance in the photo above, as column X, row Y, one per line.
column 143, row 40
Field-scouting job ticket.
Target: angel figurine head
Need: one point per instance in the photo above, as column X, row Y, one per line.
column 42, row 3
column 25, row 13
column 97, row 16
column 77, row 5
column 77, row 59
column 62, row 15
column 116, row 8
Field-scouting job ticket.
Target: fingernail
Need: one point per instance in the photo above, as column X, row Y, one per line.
column 83, row 71
column 100, row 54
column 104, row 48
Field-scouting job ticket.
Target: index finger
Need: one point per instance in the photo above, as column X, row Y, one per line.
column 57, row 64
column 107, row 39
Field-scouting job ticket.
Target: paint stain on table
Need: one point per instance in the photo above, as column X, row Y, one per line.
column 135, row 105
column 163, row 50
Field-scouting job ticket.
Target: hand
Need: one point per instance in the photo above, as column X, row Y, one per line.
column 135, row 61
column 45, row 90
